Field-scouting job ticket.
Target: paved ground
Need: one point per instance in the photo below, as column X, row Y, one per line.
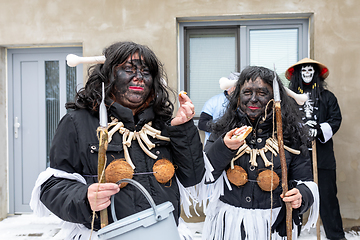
column 28, row 226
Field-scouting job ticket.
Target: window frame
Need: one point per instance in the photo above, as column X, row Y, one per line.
column 302, row 38
column 244, row 25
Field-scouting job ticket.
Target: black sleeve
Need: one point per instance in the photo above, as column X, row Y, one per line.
column 307, row 198
column 64, row 146
column 67, row 199
column 280, row 222
column 204, row 121
column 300, row 170
column 333, row 113
column 218, row 154
column 187, row 153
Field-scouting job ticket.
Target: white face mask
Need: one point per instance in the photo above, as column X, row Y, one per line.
column 307, row 73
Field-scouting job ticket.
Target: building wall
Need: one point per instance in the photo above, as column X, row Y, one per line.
column 94, row 24
column 3, row 140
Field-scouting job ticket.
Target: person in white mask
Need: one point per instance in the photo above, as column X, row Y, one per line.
column 322, row 114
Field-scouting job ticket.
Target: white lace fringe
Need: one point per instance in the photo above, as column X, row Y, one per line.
column 223, row 222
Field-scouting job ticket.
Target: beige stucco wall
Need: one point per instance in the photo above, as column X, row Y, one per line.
column 335, row 41
column 3, row 140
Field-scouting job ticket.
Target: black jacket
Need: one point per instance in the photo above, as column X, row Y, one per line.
column 250, row 195
column 329, row 112
column 74, row 150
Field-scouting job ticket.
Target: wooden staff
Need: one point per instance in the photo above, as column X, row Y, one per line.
column 284, row 172
column 315, row 173
column 284, row 179
column 103, row 144
column 72, row 61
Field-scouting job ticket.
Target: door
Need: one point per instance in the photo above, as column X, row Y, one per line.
column 40, row 83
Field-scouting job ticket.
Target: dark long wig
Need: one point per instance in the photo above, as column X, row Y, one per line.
column 293, row 131
column 89, row 97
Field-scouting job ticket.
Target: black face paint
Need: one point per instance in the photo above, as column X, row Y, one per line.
column 133, row 83
column 254, row 95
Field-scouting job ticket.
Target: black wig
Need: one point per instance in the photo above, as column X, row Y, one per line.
column 89, row 97
column 293, row 131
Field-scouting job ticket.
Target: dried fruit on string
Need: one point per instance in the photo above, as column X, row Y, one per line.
column 163, row 170
column 237, row 176
column 117, row 170
column 264, row 180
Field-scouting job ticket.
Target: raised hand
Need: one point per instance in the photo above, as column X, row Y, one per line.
column 185, row 112
column 232, row 143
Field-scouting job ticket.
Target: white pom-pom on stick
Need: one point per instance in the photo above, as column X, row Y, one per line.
column 226, row 83
column 74, row 60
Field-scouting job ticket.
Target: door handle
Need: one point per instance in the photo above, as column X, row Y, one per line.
column 16, row 127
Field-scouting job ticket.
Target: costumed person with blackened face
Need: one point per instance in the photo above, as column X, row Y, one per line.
column 244, row 187
column 142, row 135
column 322, row 114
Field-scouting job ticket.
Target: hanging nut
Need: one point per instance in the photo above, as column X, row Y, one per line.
column 237, row 176
column 265, row 178
column 163, row 170
column 117, row 170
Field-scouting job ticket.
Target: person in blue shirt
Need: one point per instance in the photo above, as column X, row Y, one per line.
column 216, row 105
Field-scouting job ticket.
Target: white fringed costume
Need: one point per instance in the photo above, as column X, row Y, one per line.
column 223, row 221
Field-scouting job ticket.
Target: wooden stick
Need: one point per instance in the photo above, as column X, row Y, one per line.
column 284, row 179
column 103, row 144
column 315, row 173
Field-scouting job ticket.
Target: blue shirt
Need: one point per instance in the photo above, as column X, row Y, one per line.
column 215, row 107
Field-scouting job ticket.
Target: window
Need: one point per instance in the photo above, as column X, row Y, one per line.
column 269, row 47
column 211, row 50
column 210, row 55
column 54, row 106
